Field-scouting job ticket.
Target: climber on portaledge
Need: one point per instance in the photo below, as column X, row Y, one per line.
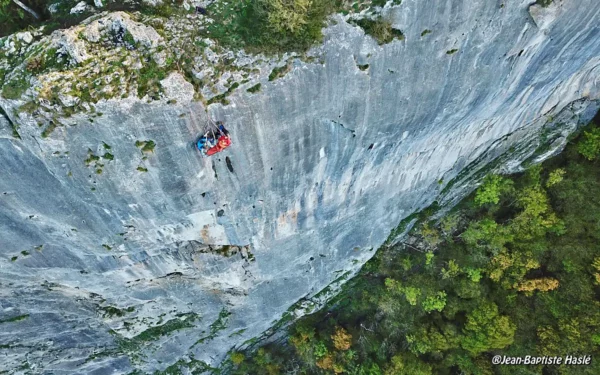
column 209, row 146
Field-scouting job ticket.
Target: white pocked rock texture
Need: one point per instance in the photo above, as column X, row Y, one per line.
column 177, row 89
column 325, row 162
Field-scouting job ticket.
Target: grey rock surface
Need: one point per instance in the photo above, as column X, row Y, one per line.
column 325, row 162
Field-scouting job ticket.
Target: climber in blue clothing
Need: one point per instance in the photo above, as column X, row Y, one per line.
column 205, row 142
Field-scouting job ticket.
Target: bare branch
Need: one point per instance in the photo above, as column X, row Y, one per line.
column 362, row 326
column 412, row 247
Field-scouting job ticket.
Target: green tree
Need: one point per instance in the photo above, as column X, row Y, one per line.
column 486, row 330
column 449, row 224
column 474, row 274
column 435, row 302
column 237, row 358
column 492, row 188
column 407, row 363
column 534, row 201
column 430, row 338
column 555, row 177
column 266, row 363
column 412, row 294
column 596, row 270
column 486, row 234
column 320, row 349
column 589, row 146
column 302, row 340
column 431, row 236
column 511, row 267
column 548, row 341
column 451, row 270
column 537, row 217
column 465, row 289
column 429, row 256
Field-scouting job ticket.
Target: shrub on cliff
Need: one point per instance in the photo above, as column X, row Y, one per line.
column 284, row 16
column 272, row 25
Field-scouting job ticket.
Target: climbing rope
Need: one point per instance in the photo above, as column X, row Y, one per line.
column 210, row 128
column 213, row 126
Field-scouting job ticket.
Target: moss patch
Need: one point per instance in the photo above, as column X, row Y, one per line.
column 110, row 311
column 278, row 72
column 219, row 324
column 145, row 146
column 15, row 127
column 91, row 158
column 49, row 60
column 255, row 88
column 17, row 318
column 154, row 333
column 222, row 97
column 15, row 88
column 49, row 129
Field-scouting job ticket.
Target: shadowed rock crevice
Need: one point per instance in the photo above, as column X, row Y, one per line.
column 229, row 164
column 345, row 127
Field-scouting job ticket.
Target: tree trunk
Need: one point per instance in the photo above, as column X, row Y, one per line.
column 27, row 9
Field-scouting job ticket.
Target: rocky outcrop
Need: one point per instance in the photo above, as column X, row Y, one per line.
column 122, row 248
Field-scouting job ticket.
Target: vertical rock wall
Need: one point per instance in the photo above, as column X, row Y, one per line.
column 325, row 162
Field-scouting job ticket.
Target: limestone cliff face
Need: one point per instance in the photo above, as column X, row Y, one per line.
column 164, row 256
